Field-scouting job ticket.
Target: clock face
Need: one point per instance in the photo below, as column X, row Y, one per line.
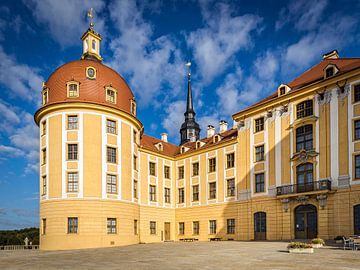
column 91, row 73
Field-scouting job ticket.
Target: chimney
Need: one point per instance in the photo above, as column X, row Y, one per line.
column 210, row 131
column 223, row 126
column 331, row 55
column 164, row 137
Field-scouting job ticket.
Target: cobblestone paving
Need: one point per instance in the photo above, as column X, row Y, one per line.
column 199, row 255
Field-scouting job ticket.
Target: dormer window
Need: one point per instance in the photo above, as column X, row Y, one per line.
column 216, row 139
column 330, row 71
column 45, row 97
column 198, row 145
column 111, row 95
column 72, row 89
column 182, row 150
column 283, row 89
column 159, row 146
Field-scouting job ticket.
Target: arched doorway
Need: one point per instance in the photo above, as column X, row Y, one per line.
column 305, row 221
column 357, row 219
column 260, row 226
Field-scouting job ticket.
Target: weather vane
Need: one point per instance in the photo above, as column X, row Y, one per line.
column 188, row 64
column 90, row 15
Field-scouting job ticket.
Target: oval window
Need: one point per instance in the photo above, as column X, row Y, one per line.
column 91, row 73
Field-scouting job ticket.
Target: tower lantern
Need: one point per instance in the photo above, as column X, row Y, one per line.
column 91, row 41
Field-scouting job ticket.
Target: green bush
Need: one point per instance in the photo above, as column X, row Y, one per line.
column 318, row 241
column 299, row 245
column 16, row 237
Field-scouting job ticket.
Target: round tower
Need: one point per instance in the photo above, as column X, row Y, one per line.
column 89, row 138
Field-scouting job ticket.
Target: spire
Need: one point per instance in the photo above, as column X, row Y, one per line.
column 189, row 129
column 91, row 40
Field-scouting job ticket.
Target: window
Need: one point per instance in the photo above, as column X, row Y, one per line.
column 181, row 172
column 72, row 182
column 181, row 228
column 43, row 185
column 304, row 138
column 43, row 226
column 230, row 187
column 167, row 195
column 196, row 227
column 212, row 225
column 259, row 124
column 212, row 164
column 304, row 109
column 329, row 72
column 167, row 172
column 216, row 138
column 111, row 126
column 282, row 90
column 111, row 225
column 152, row 193
column 230, row 160
column 259, row 153
column 135, row 136
column 111, row 154
column 195, row 170
column 357, row 93
column 91, row 72
column 110, row 95
column 212, row 190
column 135, row 189
column 43, row 125
column 45, row 97
column 304, row 177
column 357, row 167
column 231, row 226
column 93, row 45
column 73, row 90
column 72, row 122
column 72, row 225
column 135, row 163
column 181, row 195
column 152, row 170
column 44, row 156
column 135, row 226
column 195, row 193
column 259, row 182
column 152, row 227
column 72, row 151
column 111, row 183
column 357, row 129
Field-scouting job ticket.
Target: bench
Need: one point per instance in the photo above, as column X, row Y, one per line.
column 190, row 239
column 215, row 239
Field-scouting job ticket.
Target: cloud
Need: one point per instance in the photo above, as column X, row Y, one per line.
column 23, row 81
column 154, row 67
column 11, row 151
column 305, row 15
column 215, row 45
column 174, row 117
column 66, row 16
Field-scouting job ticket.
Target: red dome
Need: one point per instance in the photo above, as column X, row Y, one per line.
column 90, row 90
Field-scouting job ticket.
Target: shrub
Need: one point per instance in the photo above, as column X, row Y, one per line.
column 318, row 241
column 299, row 245
column 339, row 237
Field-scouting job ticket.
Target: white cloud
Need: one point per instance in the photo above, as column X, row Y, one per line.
column 10, row 151
column 174, row 118
column 22, row 80
column 305, row 15
column 153, row 67
column 266, row 66
column 214, row 46
column 66, row 16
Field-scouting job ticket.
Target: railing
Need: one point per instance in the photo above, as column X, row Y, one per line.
column 306, row 187
column 19, row 247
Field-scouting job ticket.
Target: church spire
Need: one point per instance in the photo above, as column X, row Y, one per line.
column 190, row 130
column 91, row 41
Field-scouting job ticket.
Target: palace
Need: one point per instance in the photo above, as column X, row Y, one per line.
column 288, row 168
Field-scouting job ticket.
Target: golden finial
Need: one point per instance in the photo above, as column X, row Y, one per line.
column 90, row 15
column 188, row 64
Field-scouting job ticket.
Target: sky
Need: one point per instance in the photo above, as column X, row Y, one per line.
column 241, row 51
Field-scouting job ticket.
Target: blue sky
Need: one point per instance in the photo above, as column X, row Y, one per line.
column 241, row 51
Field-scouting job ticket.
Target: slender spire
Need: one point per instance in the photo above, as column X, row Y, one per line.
column 189, row 103
column 90, row 16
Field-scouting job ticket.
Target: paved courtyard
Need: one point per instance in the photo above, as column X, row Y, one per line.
column 201, row 255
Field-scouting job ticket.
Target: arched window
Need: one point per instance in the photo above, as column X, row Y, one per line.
column 304, row 138
column 304, row 109
column 304, row 177
column 94, row 45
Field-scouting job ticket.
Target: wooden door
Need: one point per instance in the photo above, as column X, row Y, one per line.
column 167, row 231
column 260, row 226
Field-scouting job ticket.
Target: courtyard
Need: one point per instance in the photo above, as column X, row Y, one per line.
column 175, row 255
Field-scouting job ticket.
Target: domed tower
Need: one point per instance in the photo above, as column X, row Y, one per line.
column 89, row 138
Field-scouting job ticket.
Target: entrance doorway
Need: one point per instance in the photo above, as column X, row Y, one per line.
column 260, row 226
column 305, row 222
column 357, row 219
column 167, row 231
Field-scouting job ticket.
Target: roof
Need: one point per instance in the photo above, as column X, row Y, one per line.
column 173, row 150
column 90, row 90
column 312, row 75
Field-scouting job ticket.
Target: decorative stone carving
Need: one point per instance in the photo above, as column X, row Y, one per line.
column 322, row 198
column 244, row 125
column 344, row 181
column 324, row 98
column 302, row 199
column 343, row 91
column 285, row 203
